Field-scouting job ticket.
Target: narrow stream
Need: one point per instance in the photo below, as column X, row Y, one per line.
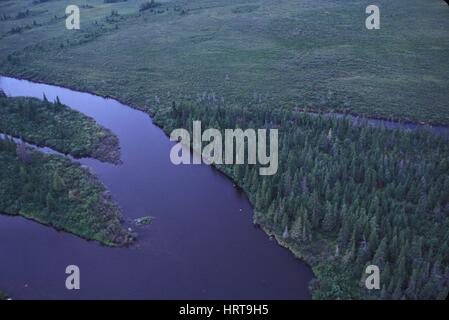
column 201, row 245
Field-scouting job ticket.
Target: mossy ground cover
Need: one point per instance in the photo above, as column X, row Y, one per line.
column 57, row 126
column 308, row 53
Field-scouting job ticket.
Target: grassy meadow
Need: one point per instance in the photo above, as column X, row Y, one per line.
column 309, row 53
column 344, row 197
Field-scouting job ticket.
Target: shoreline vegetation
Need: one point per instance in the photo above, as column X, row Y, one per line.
column 57, row 192
column 384, row 201
column 316, row 241
column 347, row 196
column 319, row 111
column 56, row 126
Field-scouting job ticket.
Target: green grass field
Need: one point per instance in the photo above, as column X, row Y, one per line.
column 301, row 52
column 251, row 58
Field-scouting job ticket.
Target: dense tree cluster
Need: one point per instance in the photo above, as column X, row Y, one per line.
column 148, row 5
column 114, row 1
column 57, row 192
column 346, row 196
column 57, row 126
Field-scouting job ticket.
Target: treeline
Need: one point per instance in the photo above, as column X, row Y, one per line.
column 54, row 191
column 57, row 126
column 19, row 15
column 345, row 197
column 40, row 1
column 147, row 5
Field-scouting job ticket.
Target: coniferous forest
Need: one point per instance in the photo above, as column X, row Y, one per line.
column 49, row 188
column 54, row 191
column 349, row 192
column 57, row 126
column 346, row 196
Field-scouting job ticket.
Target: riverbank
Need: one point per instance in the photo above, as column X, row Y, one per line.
column 184, row 235
column 363, row 117
column 364, row 174
column 152, row 108
column 335, row 280
column 56, row 126
column 233, row 58
column 53, row 191
column 318, row 255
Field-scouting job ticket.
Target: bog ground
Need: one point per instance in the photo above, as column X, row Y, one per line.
column 301, row 52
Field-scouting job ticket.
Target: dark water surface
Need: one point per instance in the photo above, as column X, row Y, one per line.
column 201, row 245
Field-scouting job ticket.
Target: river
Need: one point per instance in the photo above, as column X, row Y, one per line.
column 202, row 243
